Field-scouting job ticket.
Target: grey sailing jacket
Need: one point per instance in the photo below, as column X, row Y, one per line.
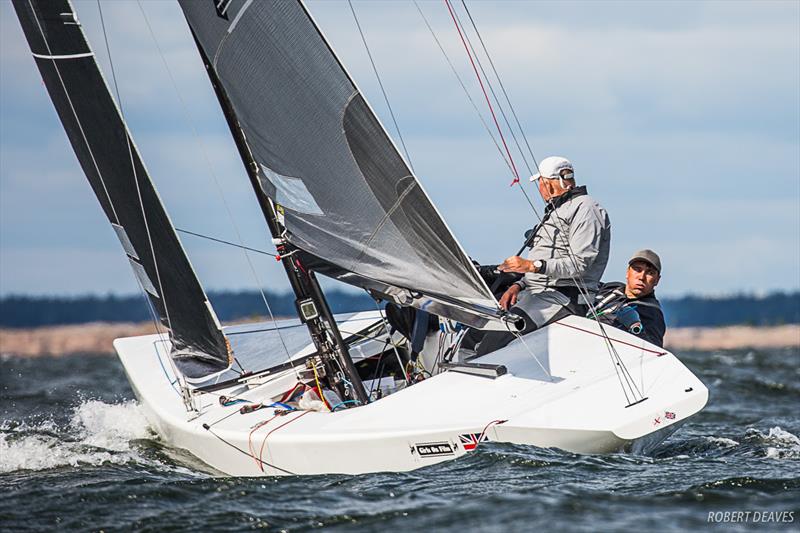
column 576, row 219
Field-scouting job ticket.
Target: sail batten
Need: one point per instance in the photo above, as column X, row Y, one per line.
column 347, row 195
column 112, row 164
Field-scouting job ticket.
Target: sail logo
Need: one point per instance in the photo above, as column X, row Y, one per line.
column 222, row 8
column 433, row 449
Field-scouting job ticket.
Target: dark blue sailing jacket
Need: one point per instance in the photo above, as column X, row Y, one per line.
column 616, row 309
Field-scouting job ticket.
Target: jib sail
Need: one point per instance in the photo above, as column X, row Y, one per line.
column 120, row 181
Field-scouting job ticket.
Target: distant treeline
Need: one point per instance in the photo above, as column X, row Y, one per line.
column 772, row 310
column 27, row 311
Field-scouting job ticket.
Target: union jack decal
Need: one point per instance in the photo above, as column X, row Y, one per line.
column 470, row 441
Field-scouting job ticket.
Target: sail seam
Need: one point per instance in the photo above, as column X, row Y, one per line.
column 62, row 56
column 238, row 16
column 232, row 26
column 386, row 217
column 75, row 114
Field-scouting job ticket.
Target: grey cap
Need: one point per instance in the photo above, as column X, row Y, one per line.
column 648, row 256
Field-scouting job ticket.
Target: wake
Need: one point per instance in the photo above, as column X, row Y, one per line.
column 98, row 433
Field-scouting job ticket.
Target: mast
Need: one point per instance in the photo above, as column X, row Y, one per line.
column 318, row 317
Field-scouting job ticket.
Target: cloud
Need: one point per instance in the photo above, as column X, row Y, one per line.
column 683, row 118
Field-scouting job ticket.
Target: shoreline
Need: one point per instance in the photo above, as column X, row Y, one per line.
column 97, row 337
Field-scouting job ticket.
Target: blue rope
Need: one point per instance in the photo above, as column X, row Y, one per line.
column 342, row 403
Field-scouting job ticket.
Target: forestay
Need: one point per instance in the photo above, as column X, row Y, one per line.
column 120, row 181
column 347, row 196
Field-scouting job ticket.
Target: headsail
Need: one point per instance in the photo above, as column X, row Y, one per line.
column 120, row 181
column 347, row 196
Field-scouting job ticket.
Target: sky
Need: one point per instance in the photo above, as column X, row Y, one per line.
column 682, row 118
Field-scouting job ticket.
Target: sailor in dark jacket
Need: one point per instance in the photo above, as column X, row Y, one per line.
column 632, row 306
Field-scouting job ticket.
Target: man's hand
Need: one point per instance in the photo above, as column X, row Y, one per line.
column 517, row 264
column 509, row 297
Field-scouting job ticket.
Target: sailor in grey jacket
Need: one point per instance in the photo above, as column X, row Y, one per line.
column 568, row 254
column 581, row 256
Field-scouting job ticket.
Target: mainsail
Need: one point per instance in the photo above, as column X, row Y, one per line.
column 347, row 197
column 120, row 181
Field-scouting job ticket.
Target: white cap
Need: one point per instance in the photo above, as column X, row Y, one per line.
column 551, row 167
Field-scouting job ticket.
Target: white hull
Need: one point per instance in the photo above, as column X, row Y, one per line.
column 581, row 408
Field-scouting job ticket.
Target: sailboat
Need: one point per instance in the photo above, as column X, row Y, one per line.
column 313, row 395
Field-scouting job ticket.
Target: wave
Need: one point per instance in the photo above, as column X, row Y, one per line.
column 722, row 442
column 780, row 444
column 97, row 433
column 773, row 443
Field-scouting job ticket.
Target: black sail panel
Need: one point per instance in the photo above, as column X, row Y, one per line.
column 347, row 196
column 120, row 181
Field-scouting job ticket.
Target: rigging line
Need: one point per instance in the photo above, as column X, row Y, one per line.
column 250, row 439
column 261, row 451
column 74, row 113
column 232, row 413
column 584, row 291
column 394, row 346
column 530, row 351
column 619, row 378
column 486, row 428
column 366, row 337
column 380, row 83
column 629, row 379
column 581, row 286
column 208, row 428
column 294, row 326
column 150, row 304
column 464, row 87
column 172, row 382
column 136, row 181
column 500, row 81
column 579, row 283
column 376, row 375
column 273, row 430
column 159, row 331
column 625, row 372
column 494, row 94
column 124, row 122
column 183, row 384
column 225, row 242
column 471, row 101
column 457, row 21
column 485, row 95
column 642, row 348
column 216, row 182
column 456, row 343
column 465, row 40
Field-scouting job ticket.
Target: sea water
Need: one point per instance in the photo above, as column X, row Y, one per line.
column 76, row 453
